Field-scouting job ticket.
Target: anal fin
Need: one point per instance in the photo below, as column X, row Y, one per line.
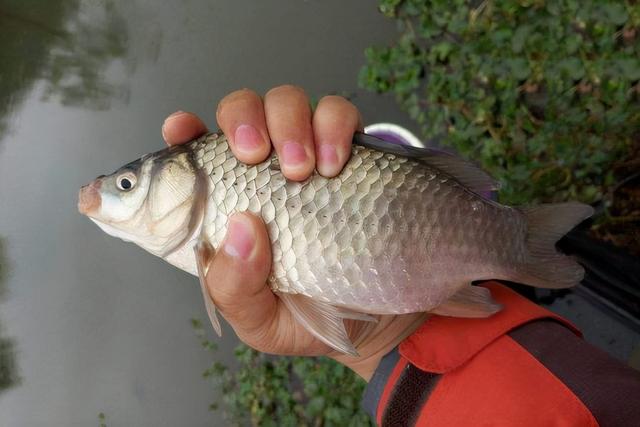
column 204, row 254
column 324, row 321
column 470, row 301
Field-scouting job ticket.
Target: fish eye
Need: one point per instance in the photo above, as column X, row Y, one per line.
column 126, row 181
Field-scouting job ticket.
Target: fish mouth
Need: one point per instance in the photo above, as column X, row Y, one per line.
column 89, row 199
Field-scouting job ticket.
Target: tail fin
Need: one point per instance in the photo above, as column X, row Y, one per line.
column 544, row 266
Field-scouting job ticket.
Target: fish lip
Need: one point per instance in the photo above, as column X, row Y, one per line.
column 89, row 198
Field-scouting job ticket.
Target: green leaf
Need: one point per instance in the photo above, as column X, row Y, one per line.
column 442, row 50
column 519, row 68
column 572, row 67
column 629, row 68
column 520, row 38
column 615, row 13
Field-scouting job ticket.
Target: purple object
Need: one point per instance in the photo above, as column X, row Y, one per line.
column 394, row 133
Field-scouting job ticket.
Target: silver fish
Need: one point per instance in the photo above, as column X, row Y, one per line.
column 400, row 230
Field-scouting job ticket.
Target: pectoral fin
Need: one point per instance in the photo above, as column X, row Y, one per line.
column 324, row 321
column 204, row 255
column 470, row 301
column 345, row 313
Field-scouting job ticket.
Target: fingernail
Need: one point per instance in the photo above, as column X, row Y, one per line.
column 240, row 240
column 293, row 154
column 247, row 138
column 168, row 119
column 328, row 161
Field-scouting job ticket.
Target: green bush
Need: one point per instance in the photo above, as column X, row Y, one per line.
column 544, row 94
column 269, row 390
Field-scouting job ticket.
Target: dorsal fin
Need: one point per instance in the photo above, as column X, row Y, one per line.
column 463, row 171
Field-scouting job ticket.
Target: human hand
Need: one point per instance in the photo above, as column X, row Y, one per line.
column 237, row 277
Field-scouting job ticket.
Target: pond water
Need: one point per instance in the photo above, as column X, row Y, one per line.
column 88, row 323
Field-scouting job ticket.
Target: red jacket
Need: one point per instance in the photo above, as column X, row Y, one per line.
column 523, row 366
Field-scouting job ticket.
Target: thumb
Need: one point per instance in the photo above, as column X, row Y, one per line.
column 237, row 277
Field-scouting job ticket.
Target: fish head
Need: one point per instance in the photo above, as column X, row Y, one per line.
column 150, row 201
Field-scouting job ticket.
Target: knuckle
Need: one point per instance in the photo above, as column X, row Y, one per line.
column 339, row 106
column 241, row 96
column 286, row 90
column 343, row 104
column 335, row 100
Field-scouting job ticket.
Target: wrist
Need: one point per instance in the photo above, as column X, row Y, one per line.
column 389, row 332
column 364, row 366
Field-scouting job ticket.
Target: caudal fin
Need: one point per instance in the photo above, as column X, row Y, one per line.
column 544, row 266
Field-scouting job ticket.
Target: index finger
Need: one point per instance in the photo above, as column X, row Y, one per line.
column 181, row 127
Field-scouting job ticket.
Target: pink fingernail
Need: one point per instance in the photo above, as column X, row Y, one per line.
column 328, row 160
column 293, row 153
column 240, row 240
column 163, row 132
column 168, row 119
column 247, row 138
column 328, row 154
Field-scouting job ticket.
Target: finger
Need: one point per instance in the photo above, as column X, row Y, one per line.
column 334, row 123
column 181, row 127
column 288, row 118
column 240, row 115
column 237, row 278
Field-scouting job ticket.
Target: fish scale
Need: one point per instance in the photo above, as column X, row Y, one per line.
column 383, row 210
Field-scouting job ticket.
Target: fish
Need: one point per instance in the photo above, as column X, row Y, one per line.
column 400, row 230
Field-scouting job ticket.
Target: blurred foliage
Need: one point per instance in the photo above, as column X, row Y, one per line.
column 8, row 365
column 621, row 223
column 270, row 390
column 544, row 94
column 3, row 269
column 77, row 62
column 67, row 45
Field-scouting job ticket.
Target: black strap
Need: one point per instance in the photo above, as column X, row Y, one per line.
column 408, row 397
